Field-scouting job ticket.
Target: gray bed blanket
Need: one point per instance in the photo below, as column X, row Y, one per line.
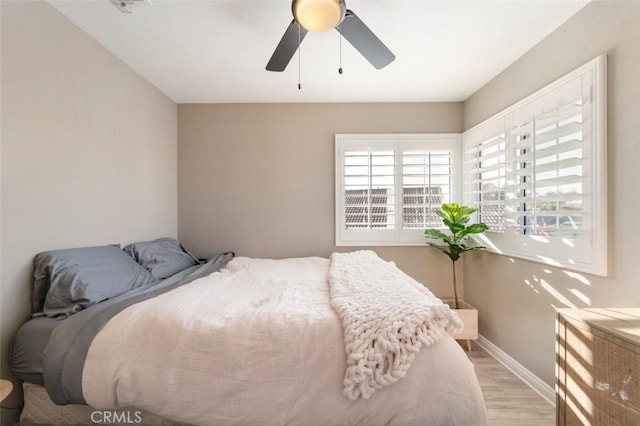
column 64, row 356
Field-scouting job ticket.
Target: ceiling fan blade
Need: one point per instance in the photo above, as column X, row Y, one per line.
column 365, row 41
column 287, row 47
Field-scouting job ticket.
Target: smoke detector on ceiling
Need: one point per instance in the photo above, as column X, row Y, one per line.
column 124, row 6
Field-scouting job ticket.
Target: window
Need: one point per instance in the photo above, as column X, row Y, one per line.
column 537, row 173
column 388, row 186
column 485, row 175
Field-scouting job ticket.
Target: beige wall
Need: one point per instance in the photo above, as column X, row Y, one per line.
column 516, row 299
column 258, row 179
column 89, row 150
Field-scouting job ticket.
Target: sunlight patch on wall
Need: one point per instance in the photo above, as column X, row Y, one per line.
column 555, row 293
column 581, row 296
column 531, row 286
column 584, row 280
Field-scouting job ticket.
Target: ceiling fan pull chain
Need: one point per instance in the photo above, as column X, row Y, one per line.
column 340, row 44
column 299, row 60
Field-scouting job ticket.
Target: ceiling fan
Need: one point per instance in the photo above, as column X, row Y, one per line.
column 324, row 15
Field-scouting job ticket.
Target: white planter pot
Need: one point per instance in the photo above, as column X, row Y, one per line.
column 469, row 317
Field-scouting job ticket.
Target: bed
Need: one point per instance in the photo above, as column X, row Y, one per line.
column 242, row 341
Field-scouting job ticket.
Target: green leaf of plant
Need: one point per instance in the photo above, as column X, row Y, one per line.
column 447, row 207
column 452, row 256
column 442, row 214
column 456, row 228
column 467, row 211
column 477, row 228
column 450, row 210
column 439, row 247
column 437, row 234
column 456, row 248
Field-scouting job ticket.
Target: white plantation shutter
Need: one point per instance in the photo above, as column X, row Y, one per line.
column 369, row 189
column 559, row 174
column 388, row 186
column 485, row 178
column 542, row 164
column 427, row 182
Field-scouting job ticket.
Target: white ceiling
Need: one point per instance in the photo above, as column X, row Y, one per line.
column 216, row 51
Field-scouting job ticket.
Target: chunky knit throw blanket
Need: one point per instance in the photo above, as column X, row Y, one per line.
column 386, row 316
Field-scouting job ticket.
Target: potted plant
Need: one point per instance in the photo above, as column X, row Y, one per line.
column 455, row 217
column 453, row 244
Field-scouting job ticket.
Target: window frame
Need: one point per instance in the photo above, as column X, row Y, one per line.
column 397, row 236
column 588, row 254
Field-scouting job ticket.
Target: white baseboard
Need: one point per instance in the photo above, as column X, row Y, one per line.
column 534, row 382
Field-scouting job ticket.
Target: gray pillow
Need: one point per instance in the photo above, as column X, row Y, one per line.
column 163, row 257
column 74, row 279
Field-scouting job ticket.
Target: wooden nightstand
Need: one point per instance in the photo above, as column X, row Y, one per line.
column 5, row 389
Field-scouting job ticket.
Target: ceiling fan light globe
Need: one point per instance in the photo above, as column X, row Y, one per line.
column 317, row 15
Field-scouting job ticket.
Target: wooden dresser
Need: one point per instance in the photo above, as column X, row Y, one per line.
column 598, row 367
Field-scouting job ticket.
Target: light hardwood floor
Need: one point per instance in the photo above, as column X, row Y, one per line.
column 509, row 401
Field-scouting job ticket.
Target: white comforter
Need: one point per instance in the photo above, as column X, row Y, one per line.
column 259, row 344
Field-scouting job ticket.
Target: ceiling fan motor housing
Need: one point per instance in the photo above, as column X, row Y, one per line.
column 318, row 15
